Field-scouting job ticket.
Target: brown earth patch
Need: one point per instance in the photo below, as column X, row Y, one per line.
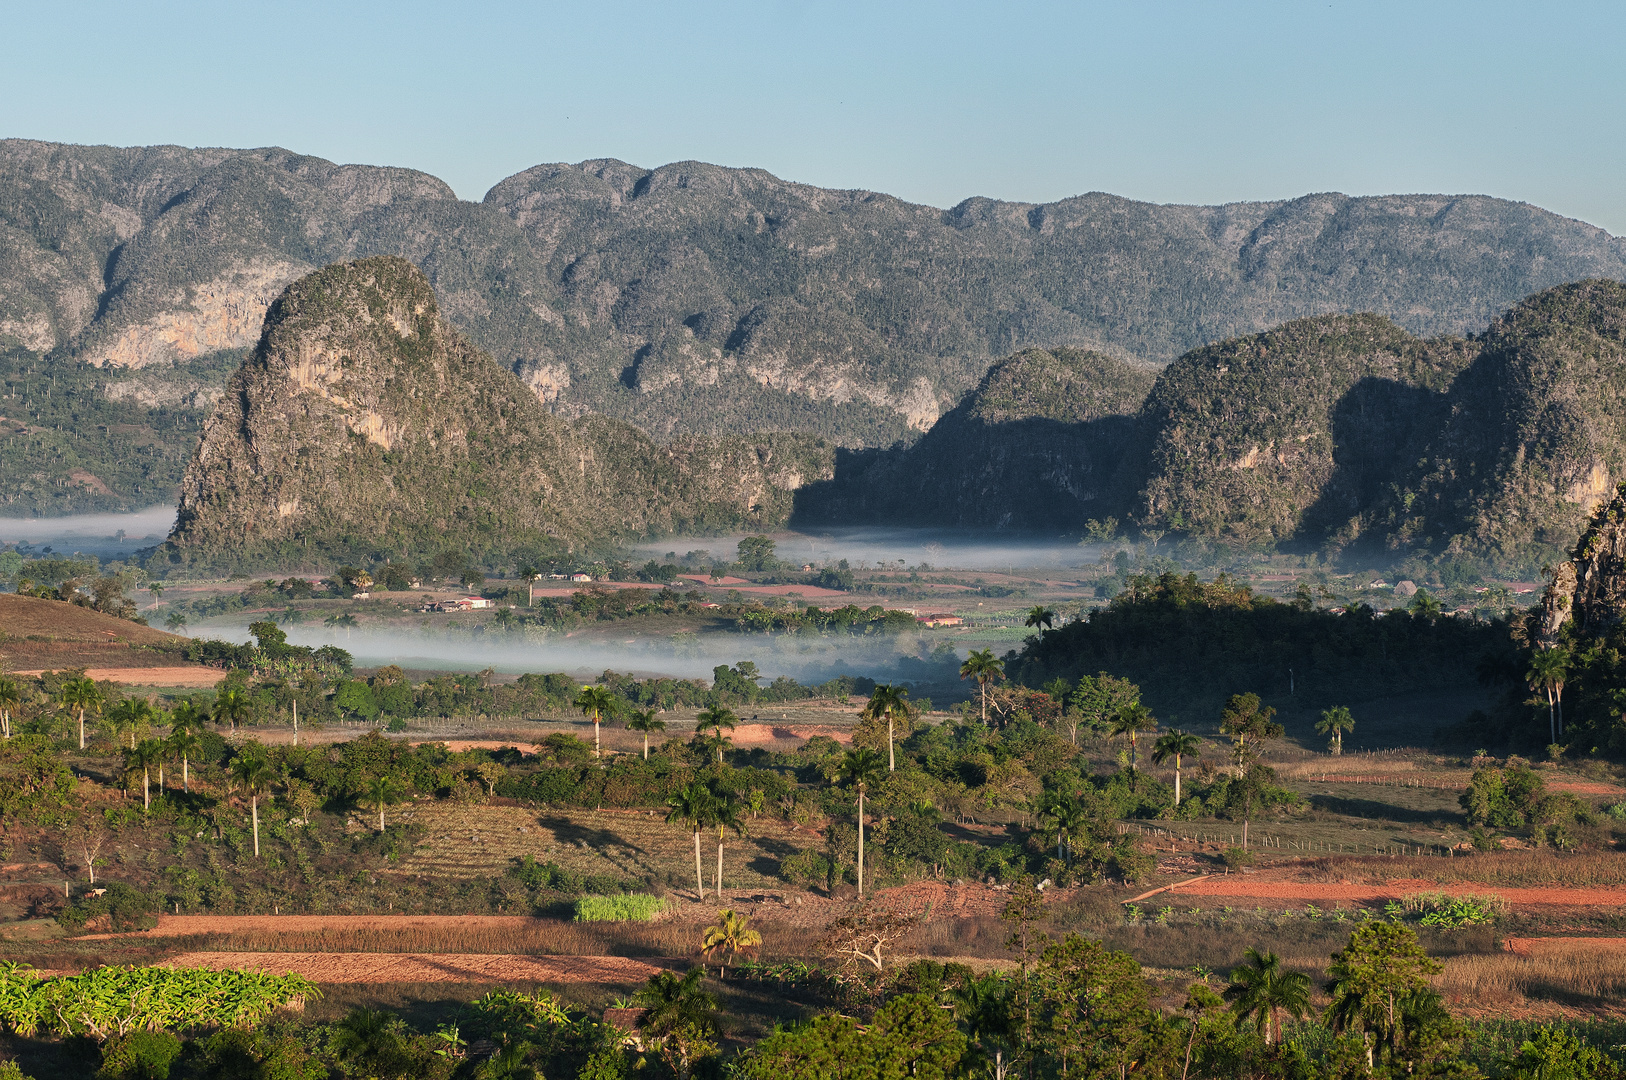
column 1240, row 885
column 1585, row 787
column 763, row 734
column 427, row 967
column 193, row 676
column 1539, row 946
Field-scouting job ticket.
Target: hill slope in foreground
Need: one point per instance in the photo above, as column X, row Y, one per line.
column 51, row 635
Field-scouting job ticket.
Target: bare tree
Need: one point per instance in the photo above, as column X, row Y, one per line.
column 866, row 933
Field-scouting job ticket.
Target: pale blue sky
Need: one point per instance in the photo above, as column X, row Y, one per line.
column 1170, row 102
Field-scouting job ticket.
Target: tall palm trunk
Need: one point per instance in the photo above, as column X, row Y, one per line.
column 719, row 866
column 596, row 751
column 646, row 746
column 254, row 812
column 146, row 788
column 699, row 879
column 1177, row 781
column 860, row 841
column 81, row 727
column 891, row 759
column 1552, row 721
column 983, row 683
column 186, row 775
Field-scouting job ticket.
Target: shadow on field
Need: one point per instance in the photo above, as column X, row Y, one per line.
column 1380, row 811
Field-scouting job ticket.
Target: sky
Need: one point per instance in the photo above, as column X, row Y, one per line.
column 1168, row 102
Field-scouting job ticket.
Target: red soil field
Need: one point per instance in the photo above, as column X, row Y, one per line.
column 194, row 676
column 1535, row 946
column 1240, row 885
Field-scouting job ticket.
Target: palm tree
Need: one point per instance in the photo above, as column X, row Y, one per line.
column 1263, row 989
column 690, row 806
column 184, row 744
column 717, row 718
column 982, row 666
column 129, row 715
column 232, row 706
column 732, row 935
column 888, row 701
column 381, row 791
column 596, row 702
column 369, row 1043
column 1041, row 618
column 251, row 774
column 861, row 768
column 1176, row 744
column 1131, row 720
column 1064, row 817
column 11, row 696
column 645, row 721
column 676, row 1002
column 983, row 1007
column 1548, row 670
column 1335, row 721
column 80, row 695
column 725, row 814
column 143, row 757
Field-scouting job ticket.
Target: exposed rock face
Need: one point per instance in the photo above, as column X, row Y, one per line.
column 1345, row 428
column 699, row 299
column 1590, row 588
column 363, row 423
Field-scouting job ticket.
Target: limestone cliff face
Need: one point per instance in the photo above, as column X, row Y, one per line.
column 364, row 424
column 1589, row 588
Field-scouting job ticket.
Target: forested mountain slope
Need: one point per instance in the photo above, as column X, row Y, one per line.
column 365, row 425
column 689, row 298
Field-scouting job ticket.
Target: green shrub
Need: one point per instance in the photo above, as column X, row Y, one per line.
column 1453, row 912
column 10, row 1070
column 1236, row 858
column 631, row 907
column 140, row 1055
column 127, row 908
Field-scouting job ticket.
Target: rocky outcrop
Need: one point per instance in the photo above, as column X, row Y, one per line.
column 364, row 425
column 1590, row 587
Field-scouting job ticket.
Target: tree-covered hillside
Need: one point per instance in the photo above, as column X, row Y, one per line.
column 698, row 299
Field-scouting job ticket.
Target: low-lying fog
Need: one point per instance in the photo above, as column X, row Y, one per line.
column 807, row 660
column 942, row 549
column 103, row 535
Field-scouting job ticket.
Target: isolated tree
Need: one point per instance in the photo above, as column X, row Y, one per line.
column 251, row 774
column 691, row 807
column 860, row 768
column 756, row 553
column 1128, row 725
column 1374, row 977
column 489, row 773
column 644, row 721
column 716, row 719
column 1334, row 722
column 597, row 703
column 175, row 622
column 732, row 936
column 1263, row 989
column 381, row 791
column 982, row 666
column 1245, row 717
column 80, row 696
column 145, row 756
column 11, row 696
column 891, row 702
column 1040, row 618
column 1424, row 606
column 1176, row 744
column 1549, row 668
column 233, row 706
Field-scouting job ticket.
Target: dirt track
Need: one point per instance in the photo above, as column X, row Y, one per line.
column 427, row 967
column 1241, row 886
